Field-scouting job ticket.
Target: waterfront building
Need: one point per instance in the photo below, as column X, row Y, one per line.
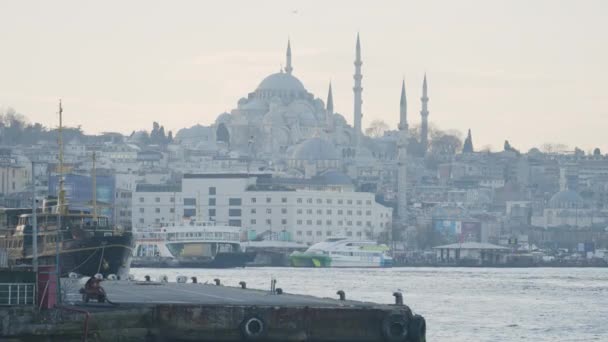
column 306, row 211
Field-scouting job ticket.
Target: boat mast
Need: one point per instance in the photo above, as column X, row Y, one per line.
column 61, row 194
column 94, row 182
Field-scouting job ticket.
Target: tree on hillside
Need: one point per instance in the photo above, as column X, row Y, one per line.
column 376, row 129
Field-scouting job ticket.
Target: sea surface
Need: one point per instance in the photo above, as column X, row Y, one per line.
column 459, row 304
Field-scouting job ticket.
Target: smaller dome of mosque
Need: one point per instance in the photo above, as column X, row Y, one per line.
column 281, row 82
column 336, row 177
column 339, row 120
column 315, row 149
column 566, row 199
column 274, row 117
column 223, row 118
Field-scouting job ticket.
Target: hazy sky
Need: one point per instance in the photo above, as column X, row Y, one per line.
column 531, row 71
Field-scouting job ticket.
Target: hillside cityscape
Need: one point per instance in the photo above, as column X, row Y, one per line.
column 284, row 166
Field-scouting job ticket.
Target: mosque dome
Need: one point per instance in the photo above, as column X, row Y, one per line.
column 223, row 118
column 315, row 149
column 339, row 120
column 273, row 117
column 336, row 177
column 281, row 82
column 566, row 199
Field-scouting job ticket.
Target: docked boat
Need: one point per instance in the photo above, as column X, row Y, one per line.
column 85, row 243
column 343, row 252
column 193, row 244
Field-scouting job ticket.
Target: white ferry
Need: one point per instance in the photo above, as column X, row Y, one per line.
column 192, row 244
column 343, row 252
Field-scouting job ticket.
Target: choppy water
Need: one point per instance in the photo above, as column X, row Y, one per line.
column 459, row 304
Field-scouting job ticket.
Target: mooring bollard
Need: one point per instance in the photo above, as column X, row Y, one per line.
column 398, row 298
column 182, row 279
column 217, row 281
column 279, row 291
column 341, row 294
column 243, row 284
column 194, row 280
column 147, row 277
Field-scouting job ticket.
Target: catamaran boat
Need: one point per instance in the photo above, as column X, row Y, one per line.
column 343, row 252
column 192, row 244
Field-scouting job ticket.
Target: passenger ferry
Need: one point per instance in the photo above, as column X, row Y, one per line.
column 192, row 244
column 343, row 252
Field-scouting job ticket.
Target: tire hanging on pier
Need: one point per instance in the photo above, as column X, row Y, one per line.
column 395, row 328
column 417, row 329
column 253, row 328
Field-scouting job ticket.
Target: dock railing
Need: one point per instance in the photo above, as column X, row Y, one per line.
column 17, row 294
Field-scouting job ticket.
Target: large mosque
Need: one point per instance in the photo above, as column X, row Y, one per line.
column 283, row 123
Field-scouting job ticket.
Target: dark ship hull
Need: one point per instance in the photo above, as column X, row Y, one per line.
column 89, row 256
column 221, row 260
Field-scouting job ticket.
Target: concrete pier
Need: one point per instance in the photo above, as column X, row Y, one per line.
column 148, row 311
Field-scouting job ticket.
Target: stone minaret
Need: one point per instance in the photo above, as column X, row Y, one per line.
column 424, row 113
column 401, row 161
column 330, row 110
column 288, row 67
column 357, row 89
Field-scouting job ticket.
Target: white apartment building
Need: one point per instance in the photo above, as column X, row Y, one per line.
column 256, row 204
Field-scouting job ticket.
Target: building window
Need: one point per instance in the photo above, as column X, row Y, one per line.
column 319, row 233
column 141, row 210
column 319, row 222
column 300, row 222
column 157, row 220
column 268, row 210
column 172, row 210
column 368, row 223
column 349, row 233
column 234, row 212
column 299, row 200
column 340, row 223
column 211, row 212
column 309, row 222
column 319, row 212
column 319, row 201
column 189, row 201
column 253, row 210
column 358, row 233
column 234, row 201
column 359, row 223
column 284, row 200
column 329, row 201
column 328, row 233
column 254, row 200
column 349, row 223
column 299, row 211
column 299, row 233
column 172, row 199
column 359, row 202
column 212, row 191
column 252, row 221
column 141, row 200
column 340, row 212
column 349, row 212
column 368, row 213
column 268, row 222
column 141, row 220
column 283, row 210
column 268, row 199
column 349, row 202
column 309, row 232
column 309, row 200
column 157, row 199
column 328, row 211
column 368, row 202
column 284, row 221
column 189, row 212
column 309, row 211
column 157, row 210
column 234, row 223
column 212, row 201
column 359, row 213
